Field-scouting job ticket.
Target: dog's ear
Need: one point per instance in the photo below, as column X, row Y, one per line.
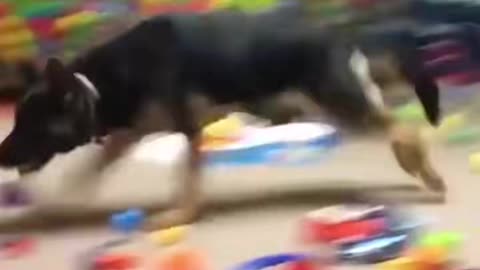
column 59, row 79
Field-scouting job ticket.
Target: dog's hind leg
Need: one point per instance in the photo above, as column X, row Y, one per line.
column 412, row 156
column 406, row 143
column 428, row 93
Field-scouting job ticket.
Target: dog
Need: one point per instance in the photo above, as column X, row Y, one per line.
column 140, row 82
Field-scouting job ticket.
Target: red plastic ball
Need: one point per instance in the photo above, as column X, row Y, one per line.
column 317, row 231
column 116, row 262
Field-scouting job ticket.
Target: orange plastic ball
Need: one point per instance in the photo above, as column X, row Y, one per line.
column 184, row 259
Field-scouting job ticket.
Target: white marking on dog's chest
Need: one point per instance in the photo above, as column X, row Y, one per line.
column 88, row 84
column 361, row 69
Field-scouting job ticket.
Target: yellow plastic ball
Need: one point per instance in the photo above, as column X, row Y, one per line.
column 452, row 123
column 403, row 263
column 474, row 161
column 226, row 127
column 169, row 236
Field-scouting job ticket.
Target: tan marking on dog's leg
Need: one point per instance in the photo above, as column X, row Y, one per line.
column 411, row 154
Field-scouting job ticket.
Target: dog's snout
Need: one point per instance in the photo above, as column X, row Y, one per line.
column 7, row 155
column 11, row 153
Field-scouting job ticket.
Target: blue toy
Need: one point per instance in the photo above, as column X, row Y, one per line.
column 273, row 260
column 127, row 221
column 376, row 249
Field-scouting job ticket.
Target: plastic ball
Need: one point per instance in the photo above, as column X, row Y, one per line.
column 446, row 240
column 412, row 112
column 452, row 123
column 116, row 262
column 169, row 236
column 402, row 263
column 474, row 161
column 223, row 128
column 17, row 38
column 19, row 247
column 429, row 255
column 183, row 259
column 303, row 265
column 127, row 221
column 69, row 22
column 467, row 135
column 11, row 23
column 12, row 195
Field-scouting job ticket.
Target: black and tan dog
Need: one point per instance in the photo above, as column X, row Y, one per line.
column 141, row 82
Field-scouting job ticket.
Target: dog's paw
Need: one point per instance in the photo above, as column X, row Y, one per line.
column 433, row 181
column 171, row 218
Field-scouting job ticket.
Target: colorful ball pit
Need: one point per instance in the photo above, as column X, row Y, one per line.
column 62, row 28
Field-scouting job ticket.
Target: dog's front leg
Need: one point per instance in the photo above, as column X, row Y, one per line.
column 154, row 117
column 188, row 199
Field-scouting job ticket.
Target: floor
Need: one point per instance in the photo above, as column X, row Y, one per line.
column 232, row 236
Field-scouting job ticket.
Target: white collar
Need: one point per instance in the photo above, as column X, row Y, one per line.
column 88, row 84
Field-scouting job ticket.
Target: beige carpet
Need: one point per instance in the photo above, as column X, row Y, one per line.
column 239, row 233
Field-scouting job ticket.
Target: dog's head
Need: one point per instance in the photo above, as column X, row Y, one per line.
column 55, row 116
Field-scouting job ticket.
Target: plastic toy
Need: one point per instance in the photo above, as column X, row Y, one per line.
column 374, row 250
column 170, row 236
column 445, row 240
column 429, row 255
column 223, row 128
column 183, row 259
column 11, row 23
column 44, row 9
column 466, row 135
column 127, row 221
column 16, row 38
column 17, row 247
column 400, row 223
column 343, row 213
column 274, row 260
column 12, row 195
column 116, row 262
column 411, row 112
column 303, row 265
column 245, row 5
column 402, row 263
column 474, row 161
column 221, row 132
column 425, row 259
column 67, row 23
column 344, row 231
column 91, row 257
column 4, row 9
column 452, row 123
column 151, row 7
